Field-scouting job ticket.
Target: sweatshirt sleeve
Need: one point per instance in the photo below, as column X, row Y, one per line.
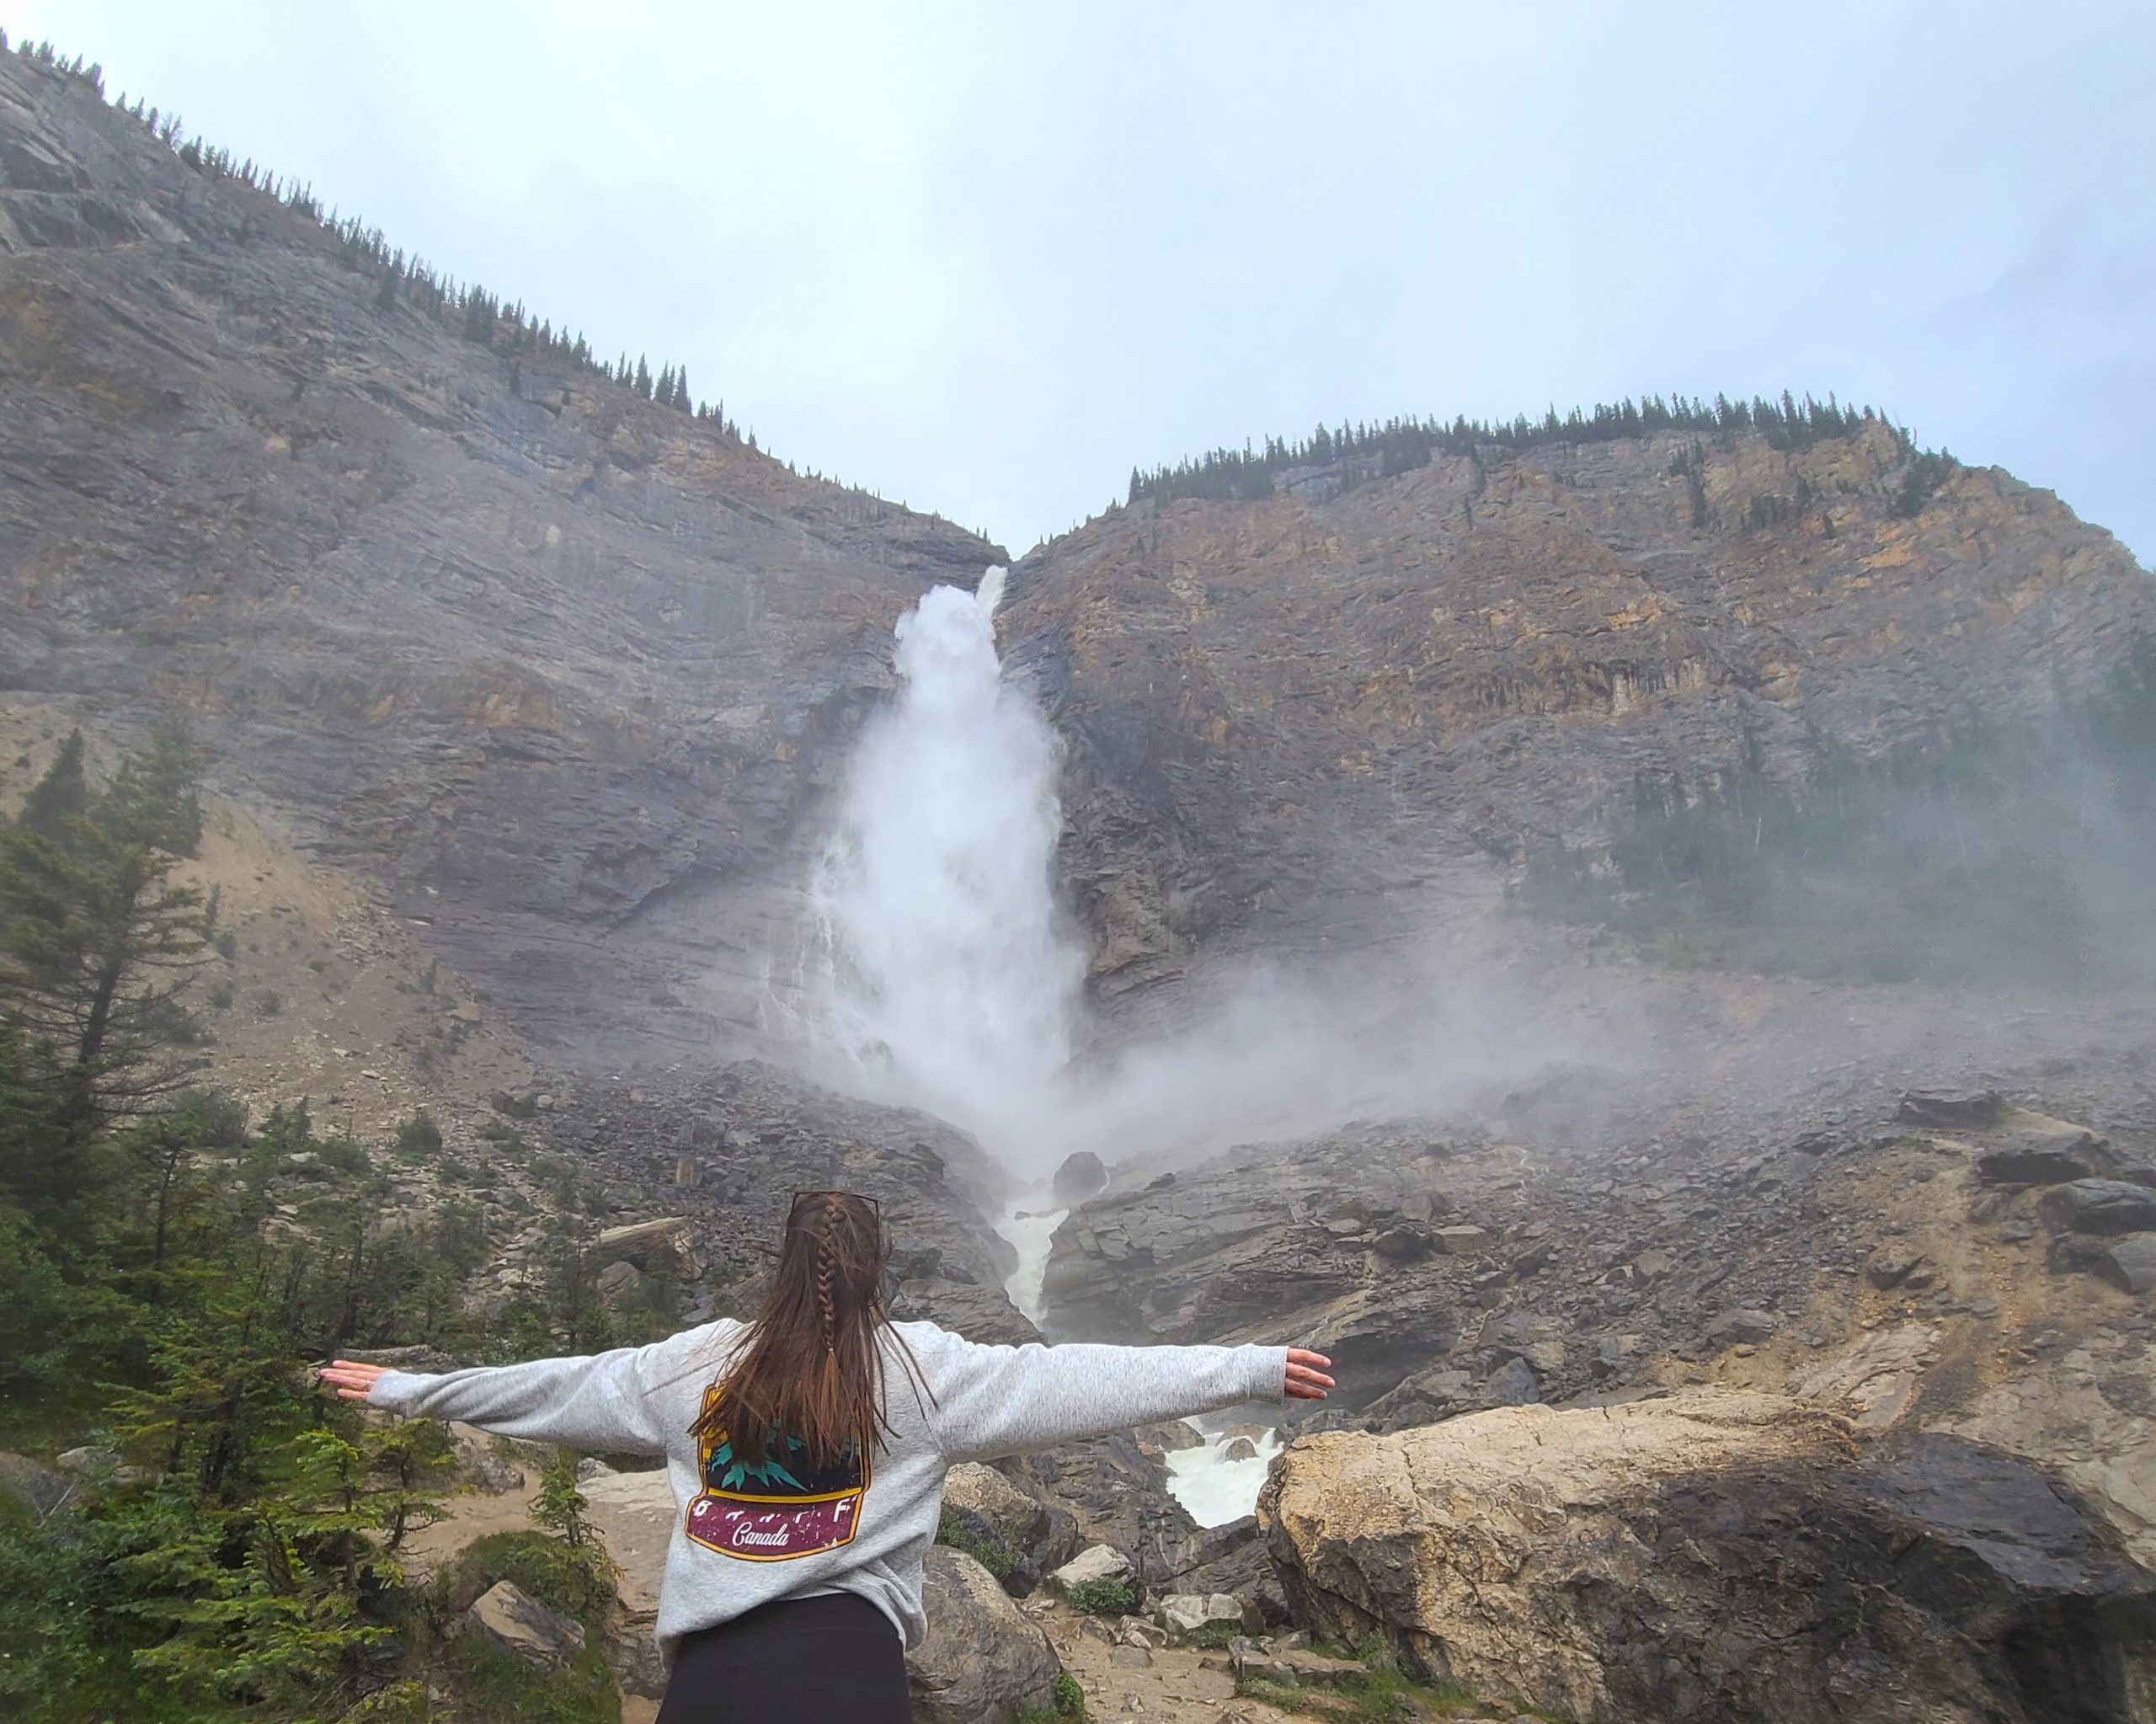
column 992, row 1400
column 603, row 1402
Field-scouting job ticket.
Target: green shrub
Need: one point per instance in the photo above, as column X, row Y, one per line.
column 400, row 1703
column 966, row 1531
column 268, row 1002
column 418, row 1139
column 1109, row 1596
column 561, row 1576
column 228, row 945
column 1066, row 1699
column 581, row 1692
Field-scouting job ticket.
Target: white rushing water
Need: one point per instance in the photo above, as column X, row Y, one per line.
column 1032, row 1231
column 938, row 975
column 1214, row 1488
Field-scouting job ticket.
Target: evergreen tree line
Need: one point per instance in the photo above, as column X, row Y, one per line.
column 470, row 309
column 171, row 1270
column 1980, row 852
column 1368, row 451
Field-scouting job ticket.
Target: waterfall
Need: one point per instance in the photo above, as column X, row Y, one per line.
column 939, row 977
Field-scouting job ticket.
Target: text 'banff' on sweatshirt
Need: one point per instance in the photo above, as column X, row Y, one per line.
column 745, row 1536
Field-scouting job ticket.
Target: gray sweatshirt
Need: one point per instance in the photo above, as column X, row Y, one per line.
column 743, row 1538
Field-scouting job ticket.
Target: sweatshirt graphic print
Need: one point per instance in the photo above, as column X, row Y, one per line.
column 775, row 1509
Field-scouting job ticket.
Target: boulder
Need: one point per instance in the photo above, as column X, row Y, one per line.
column 984, row 1660
column 1716, row 1555
column 1896, row 1266
column 1230, row 1558
column 1514, row 1384
column 2129, row 1264
column 33, row 1487
column 1240, row 1448
column 1110, row 1491
column 620, row 1284
column 1740, row 1327
column 1461, row 1240
column 1081, row 1176
column 2105, row 1206
column 2043, row 1158
column 1096, row 1562
column 88, row 1461
column 1171, row 1437
column 1951, row 1110
column 1187, row 1613
column 1021, row 1521
column 1404, row 1243
column 663, row 1245
column 483, row 1462
column 95, row 1464
column 2076, row 1253
column 520, row 1625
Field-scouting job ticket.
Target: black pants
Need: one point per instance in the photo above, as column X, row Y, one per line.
column 834, row 1659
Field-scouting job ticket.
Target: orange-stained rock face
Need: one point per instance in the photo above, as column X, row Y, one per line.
column 1299, row 707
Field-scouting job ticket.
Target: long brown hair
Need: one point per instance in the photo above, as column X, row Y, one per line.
column 813, row 1371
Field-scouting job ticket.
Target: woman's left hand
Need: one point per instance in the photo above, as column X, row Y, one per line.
column 352, row 1381
column 1306, row 1375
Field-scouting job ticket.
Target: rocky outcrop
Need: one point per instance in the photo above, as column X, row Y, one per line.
column 562, row 668
column 1289, row 719
column 1717, row 1556
column 984, row 1661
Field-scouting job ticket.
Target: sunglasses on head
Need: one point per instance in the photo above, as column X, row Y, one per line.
column 802, row 1193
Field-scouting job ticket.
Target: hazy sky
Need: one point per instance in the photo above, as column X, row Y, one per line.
column 985, row 256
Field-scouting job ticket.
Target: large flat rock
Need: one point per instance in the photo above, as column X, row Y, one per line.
column 1716, row 1555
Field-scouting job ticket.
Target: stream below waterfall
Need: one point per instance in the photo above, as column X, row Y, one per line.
column 1213, row 1487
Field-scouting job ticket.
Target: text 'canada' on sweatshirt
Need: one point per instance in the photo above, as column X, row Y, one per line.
column 744, row 1536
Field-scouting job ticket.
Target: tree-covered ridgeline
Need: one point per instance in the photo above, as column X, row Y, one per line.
column 233, row 1548
column 1979, row 852
column 479, row 316
column 1356, row 454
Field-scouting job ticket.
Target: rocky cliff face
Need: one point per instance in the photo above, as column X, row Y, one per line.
column 561, row 668
column 1290, row 718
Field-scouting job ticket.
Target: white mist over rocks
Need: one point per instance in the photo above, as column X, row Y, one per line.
column 940, row 975
column 941, row 979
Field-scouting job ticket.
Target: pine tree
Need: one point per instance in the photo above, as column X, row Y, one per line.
column 97, row 943
column 642, row 384
column 63, row 794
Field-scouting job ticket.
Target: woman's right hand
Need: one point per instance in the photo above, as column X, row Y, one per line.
column 1306, row 1375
